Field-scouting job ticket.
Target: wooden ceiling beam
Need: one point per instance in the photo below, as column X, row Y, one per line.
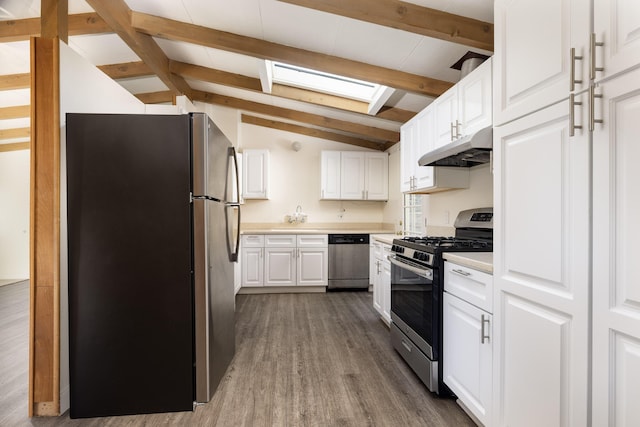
column 15, row 133
column 15, row 146
column 382, row 135
column 15, row 81
column 126, row 70
column 182, row 31
column 317, row 133
column 157, row 97
column 15, row 112
column 117, row 14
column 410, row 17
column 79, row 24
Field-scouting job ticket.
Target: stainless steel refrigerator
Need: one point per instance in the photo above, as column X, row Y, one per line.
column 153, row 231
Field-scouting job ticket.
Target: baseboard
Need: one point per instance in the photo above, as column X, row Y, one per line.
column 283, row 290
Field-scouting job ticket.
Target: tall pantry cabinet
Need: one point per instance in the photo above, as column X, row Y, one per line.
column 566, row 294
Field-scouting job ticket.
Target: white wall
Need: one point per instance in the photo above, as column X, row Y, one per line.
column 295, row 180
column 442, row 208
column 14, row 214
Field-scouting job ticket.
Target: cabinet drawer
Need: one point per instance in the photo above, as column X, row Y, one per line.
column 252, row 241
column 313, row 240
column 280, row 241
column 473, row 286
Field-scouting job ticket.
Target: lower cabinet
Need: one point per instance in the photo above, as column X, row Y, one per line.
column 284, row 260
column 467, row 339
column 380, row 271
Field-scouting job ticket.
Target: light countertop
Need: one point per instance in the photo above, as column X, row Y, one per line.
column 385, row 238
column 482, row 261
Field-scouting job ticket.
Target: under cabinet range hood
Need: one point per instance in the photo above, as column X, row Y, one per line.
column 468, row 151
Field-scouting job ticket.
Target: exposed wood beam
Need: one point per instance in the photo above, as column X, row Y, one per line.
column 15, row 133
column 319, row 98
column 17, row 112
column 116, row 13
column 175, row 30
column 14, row 146
column 126, row 70
column 318, row 133
column 79, row 24
column 15, row 81
column 395, row 114
column 157, row 97
column 298, row 116
column 410, row 17
column 211, row 75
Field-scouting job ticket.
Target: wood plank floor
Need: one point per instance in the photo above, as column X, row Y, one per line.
column 301, row 360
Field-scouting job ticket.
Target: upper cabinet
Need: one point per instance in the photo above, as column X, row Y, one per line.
column 465, row 108
column 354, row 175
column 255, row 174
column 533, row 68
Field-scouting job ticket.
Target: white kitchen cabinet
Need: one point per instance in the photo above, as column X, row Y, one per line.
column 330, row 175
column 541, row 274
column 532, row 66
column 468, row 355
column 354, row 175
column 465, row 108
column 381, row 270
column 255, row 174
column 252, row 264
column 279, row 260
column 616, row 271
column 408, row 154
column 616, row 26
column 467, row 338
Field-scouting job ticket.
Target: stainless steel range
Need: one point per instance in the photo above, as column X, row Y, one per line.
column 417, row 275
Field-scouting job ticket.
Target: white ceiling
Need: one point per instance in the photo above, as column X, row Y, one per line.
column 270, row 20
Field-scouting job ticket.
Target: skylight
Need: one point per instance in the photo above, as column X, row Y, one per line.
column 305, row 78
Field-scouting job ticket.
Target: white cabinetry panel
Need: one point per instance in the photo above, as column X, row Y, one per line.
column 330, row 167
column 617, row 25
column 352, row 176
column 280, row 266
column 616, row 270
column 252, row 267
column 313, row 266
column 255, row 174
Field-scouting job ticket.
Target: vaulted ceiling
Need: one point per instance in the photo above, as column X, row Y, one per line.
column 212, row 51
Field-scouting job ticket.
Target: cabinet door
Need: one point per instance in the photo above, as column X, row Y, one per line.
column 255, row 174
column 252, row 267
column 377, row 176
column 532, row 60
column 407, row 155
column 467, row 356
column 280, row 267
column 617, row 25
column 616, row 270
column 385, row 286
column 372, row 263
column 330, row 175
column 423, row 143
column 474, row 100
column 446, row 117
column 541, row 279
column 312, row 266
column 352, row 175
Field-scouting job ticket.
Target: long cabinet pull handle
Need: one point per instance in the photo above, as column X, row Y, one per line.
column 462, row 272
column 452, row 129
column 592, row 53
column 483, row 333
column 592, row 108
column 458, row 129
column 572, row 117
column 573, row 81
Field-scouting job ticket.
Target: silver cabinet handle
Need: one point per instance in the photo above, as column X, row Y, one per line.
column 572, row 118
column 458, row 129
column 452, row 128
column 484, row 320
column 592, row 100
column 572, row 79
column 461, row 272
column 405, row 345
column 592, row 53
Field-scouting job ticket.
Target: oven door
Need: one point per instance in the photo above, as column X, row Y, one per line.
column 415, row 298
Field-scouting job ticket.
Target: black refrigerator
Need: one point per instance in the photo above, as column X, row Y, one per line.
column 153, row 232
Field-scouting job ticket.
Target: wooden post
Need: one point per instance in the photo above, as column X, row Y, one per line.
column 44, row 348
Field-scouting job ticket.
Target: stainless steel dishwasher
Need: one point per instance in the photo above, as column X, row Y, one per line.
column 348, row 261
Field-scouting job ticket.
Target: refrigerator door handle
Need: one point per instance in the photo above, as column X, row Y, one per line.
column 234, row 254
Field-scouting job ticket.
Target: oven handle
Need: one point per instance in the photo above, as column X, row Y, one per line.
column 427, row 273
